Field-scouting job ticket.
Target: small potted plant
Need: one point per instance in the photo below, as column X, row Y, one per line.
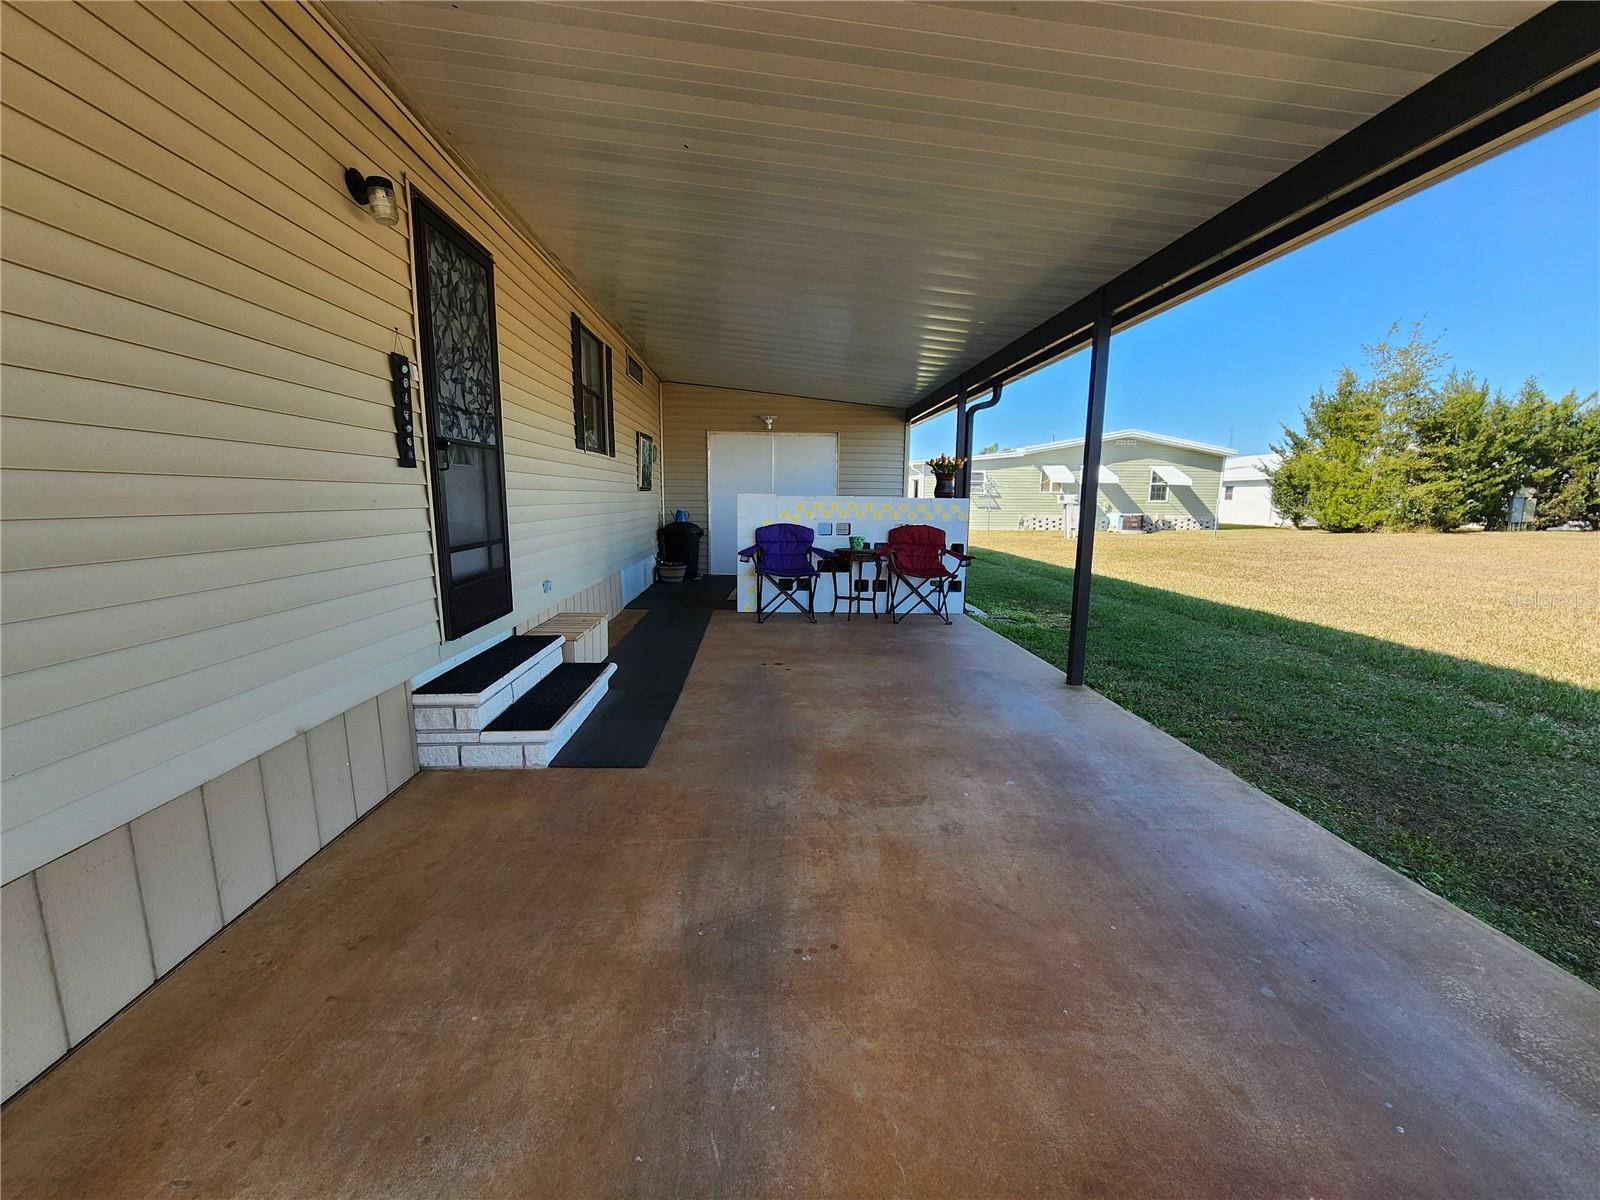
column 944, row 470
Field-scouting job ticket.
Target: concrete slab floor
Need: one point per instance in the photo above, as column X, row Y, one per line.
column 893, row 913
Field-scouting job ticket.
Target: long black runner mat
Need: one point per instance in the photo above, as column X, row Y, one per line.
column 653, row 662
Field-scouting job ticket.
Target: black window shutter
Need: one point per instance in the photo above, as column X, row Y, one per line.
column 611, row 410
column 577, row 381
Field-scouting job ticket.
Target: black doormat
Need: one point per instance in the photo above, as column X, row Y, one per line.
column 492, row 665
column 548, row 700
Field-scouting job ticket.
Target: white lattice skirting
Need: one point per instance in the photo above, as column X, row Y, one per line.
column 1058, row 524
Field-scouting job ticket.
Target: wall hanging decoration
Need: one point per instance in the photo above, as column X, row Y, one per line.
column 647, row 461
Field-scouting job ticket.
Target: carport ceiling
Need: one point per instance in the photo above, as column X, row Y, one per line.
column 856, row 200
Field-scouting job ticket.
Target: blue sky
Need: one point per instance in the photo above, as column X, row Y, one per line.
column 1502, row 261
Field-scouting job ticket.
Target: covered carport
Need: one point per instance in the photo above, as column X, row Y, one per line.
column 911, row 205
column 841, row 936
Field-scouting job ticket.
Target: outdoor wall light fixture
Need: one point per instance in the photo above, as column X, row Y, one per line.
column 767, row 421
column 375, row 194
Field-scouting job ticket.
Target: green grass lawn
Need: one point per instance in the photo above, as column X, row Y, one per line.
column 1481, row 783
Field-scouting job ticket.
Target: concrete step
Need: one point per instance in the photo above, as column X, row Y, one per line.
column 542, row 721
column 531, row 731
column 471, row 695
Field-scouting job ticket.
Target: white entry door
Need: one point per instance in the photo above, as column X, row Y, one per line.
column 786, row 464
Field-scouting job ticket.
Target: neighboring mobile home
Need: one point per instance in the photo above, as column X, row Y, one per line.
column 1247, row 491
column 1147, row 481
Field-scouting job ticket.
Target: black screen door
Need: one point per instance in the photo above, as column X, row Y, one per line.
column 461, row 383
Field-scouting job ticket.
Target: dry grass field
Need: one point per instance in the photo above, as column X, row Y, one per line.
column 1433, row 699
column 1527, row 602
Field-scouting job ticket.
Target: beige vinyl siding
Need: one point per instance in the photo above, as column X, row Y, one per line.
column 208, row 545
column 872, row 439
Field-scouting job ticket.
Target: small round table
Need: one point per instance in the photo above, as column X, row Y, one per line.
column 855, row 561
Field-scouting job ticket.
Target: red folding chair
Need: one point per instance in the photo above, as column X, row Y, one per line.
column 917, row 555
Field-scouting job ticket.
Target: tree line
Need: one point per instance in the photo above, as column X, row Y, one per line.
column 1412, row 442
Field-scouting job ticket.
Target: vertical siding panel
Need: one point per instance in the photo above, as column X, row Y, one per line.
column 33, row 1033
column 177, row 879
column 241, row 840
column 95, row 923
column 399, row 739
column 365, row 734
column 291, row 808
column 331, row 785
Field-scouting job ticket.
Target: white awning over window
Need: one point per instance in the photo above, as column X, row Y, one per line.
column 1065, row 475
column 1171, row 474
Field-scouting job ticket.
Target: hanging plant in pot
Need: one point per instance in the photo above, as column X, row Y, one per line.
column 944, row 470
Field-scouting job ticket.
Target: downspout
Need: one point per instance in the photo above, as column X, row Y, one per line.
column 963, row 440
column 964, row 435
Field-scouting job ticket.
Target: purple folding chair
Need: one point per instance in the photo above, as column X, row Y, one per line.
column 783, row 554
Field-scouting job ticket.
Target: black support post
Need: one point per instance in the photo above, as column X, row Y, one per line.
column 1089, row 495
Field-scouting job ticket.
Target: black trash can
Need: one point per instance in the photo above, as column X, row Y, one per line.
column 680, row 542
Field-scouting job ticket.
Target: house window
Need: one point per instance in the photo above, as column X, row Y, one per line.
column 1053, row 487
column 592, row 411
column 978, row 480
column 1158, row 487
column 635, row 369
column 1227, row 491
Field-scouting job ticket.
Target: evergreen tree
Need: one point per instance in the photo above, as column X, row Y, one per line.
column 1403, row 448
column 1347, row 468
column 1555, row 445
column 1454, row 470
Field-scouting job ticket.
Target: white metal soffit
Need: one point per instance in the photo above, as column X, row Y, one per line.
column 851, row 200
column 1168, row 473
